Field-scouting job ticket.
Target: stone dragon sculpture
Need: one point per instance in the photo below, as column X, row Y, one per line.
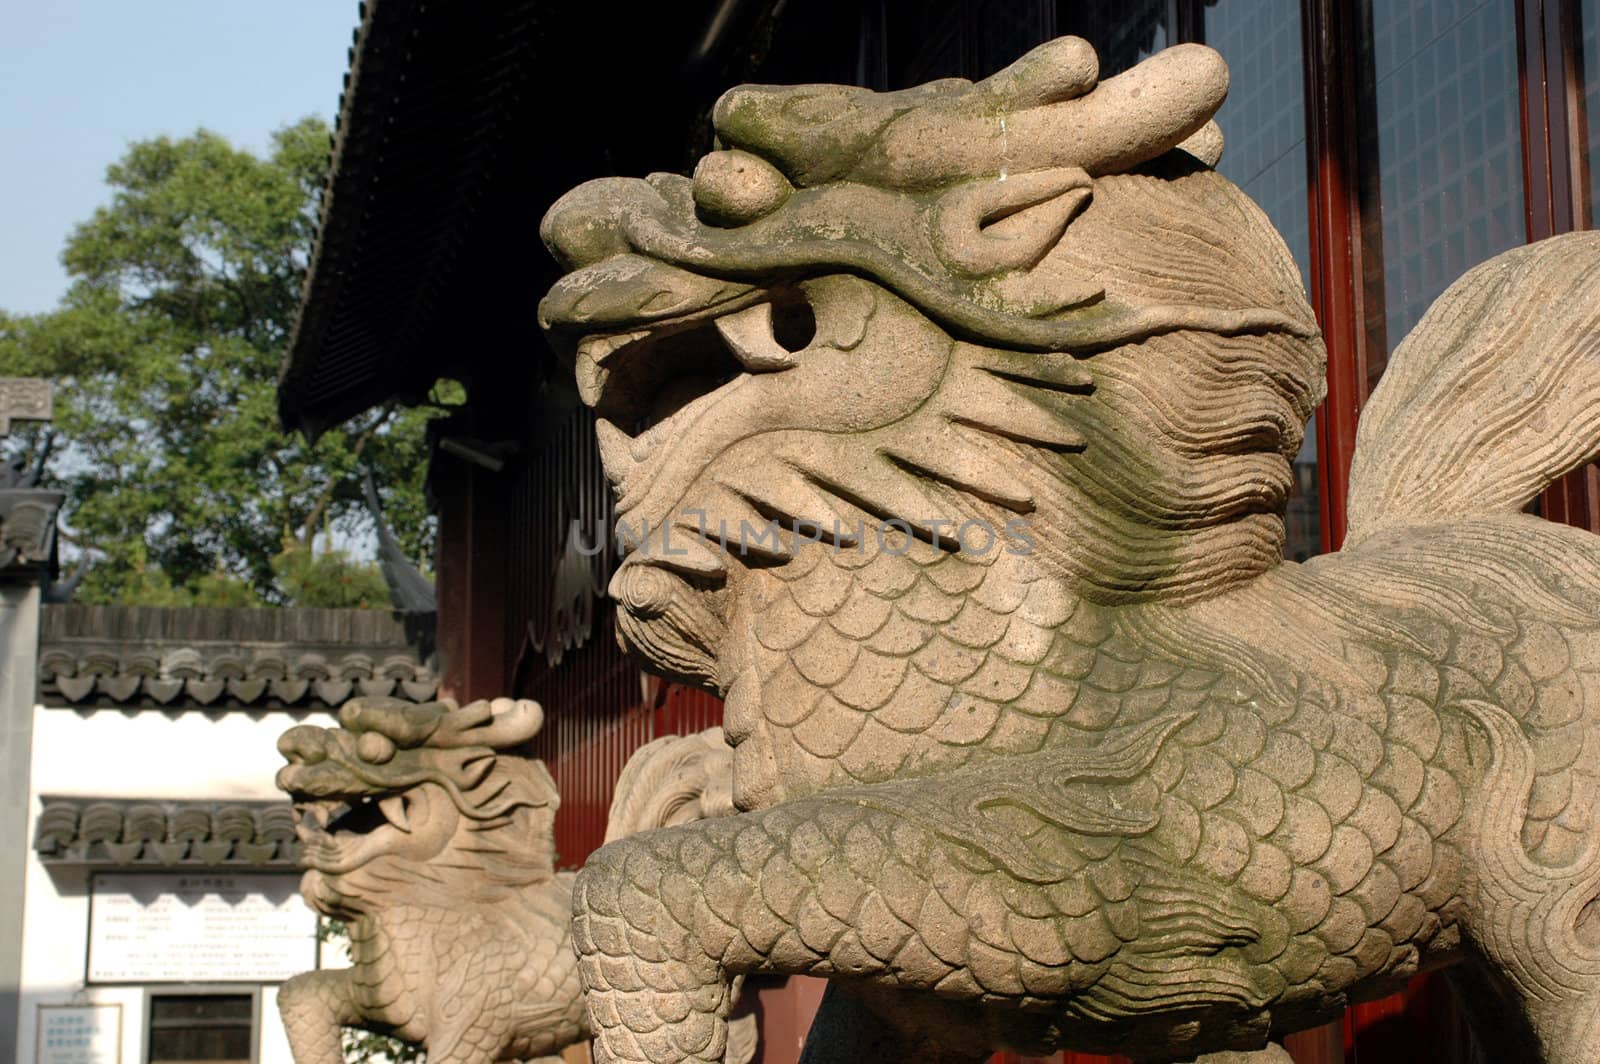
column 1119, row 779
column 433, row 839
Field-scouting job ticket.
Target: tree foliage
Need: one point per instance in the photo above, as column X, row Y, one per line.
column 165, row 353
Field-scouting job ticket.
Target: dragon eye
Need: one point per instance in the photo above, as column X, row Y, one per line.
column 651, row 377
column 794, row 323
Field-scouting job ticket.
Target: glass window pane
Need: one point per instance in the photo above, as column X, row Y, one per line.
column 1003, row 30
column 1589, row 94
column 1123, row 32
column 928, row 39
column 1448, row 143
column 1264, row 152
column 1264, row 119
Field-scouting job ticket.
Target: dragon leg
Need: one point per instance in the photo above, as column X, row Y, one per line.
column 314, row 1006
column 1533, row 925
column 839, row 886
column 665, row 921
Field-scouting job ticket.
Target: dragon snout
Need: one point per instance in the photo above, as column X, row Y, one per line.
column 304, row 744
column 644, row 590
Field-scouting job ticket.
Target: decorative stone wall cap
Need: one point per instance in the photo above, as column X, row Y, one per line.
column 113, row 833
column 25, row 399
column 27, row 527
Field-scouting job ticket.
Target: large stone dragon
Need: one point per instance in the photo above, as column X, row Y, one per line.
column 428, row 830
column 952, row 429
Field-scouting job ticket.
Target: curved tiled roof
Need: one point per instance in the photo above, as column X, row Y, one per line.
column 144, row 834
column 187, row 676
column 217, row 658
column 429, row 104
column 458, row 126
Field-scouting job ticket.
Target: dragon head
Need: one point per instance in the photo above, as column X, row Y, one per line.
column 380, row 798
column 1027, row 302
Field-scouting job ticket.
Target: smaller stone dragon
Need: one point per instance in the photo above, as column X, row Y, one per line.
column 425, row 831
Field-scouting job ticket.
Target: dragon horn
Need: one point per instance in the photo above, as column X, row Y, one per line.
column 507, row 722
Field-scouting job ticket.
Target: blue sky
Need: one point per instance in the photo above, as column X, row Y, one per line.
column 81, row 79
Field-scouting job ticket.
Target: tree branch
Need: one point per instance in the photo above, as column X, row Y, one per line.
column 308, row 529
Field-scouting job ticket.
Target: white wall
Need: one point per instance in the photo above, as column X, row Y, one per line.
column 112, row 753
column 189, row 754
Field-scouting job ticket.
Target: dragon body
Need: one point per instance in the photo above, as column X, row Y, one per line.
column 955, row 428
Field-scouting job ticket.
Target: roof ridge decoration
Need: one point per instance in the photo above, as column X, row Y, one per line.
column 27, row 511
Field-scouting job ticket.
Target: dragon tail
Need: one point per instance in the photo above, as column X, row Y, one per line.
column 1494, row 394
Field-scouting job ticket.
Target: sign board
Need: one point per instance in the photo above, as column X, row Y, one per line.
column 79, row 1034
column 211, row 927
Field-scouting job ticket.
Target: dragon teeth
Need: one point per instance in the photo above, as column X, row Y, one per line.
column 600, row 348
column 617, row 456
column 749, row 335
column 394, row 811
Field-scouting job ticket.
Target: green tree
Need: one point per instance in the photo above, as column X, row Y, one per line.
column 165, row 353
column 330, row 578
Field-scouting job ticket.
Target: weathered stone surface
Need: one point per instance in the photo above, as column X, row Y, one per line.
column 955, row 428
column 424, row 830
